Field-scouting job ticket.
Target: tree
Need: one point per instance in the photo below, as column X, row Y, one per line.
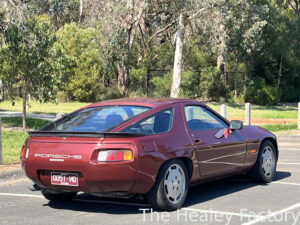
column 177, row 70
column 28, row 61
column 120, row 21
column 82, row 77
column 234, row 28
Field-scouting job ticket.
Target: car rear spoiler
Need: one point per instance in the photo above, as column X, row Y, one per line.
column 81, row 134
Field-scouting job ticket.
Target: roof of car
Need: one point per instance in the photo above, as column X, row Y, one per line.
column 151, row 102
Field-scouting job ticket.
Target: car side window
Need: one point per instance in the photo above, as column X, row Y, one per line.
column 199, row 118
column 158, row 123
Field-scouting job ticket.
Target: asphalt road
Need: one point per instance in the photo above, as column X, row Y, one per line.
column 230, row 201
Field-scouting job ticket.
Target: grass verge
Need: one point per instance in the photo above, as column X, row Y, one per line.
column 12, row 142
column 278, row 127
column 287, row 111
column 32, row 123
column 37, row 107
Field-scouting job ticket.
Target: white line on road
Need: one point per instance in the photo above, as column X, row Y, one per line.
column 288, row 183
column 289, row 149
column 284, row 163
column 221, row 212
column 21, row 195
column 264, row 218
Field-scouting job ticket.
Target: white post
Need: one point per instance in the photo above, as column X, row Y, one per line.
column 60, row 115
column 247, row 114
column 223, row 111
column 298, row 115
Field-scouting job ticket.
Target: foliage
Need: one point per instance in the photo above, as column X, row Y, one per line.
column 50, row 49
column 81, row 49
column 211, row 85
column 262, row 94
column 28, row 60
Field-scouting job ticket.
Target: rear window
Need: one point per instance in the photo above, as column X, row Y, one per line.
column 97, row 119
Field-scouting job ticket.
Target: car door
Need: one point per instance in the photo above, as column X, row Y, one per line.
column 216, row 152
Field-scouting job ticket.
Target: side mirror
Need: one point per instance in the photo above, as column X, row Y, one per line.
column 236, row 125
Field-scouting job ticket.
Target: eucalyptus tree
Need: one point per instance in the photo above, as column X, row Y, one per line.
column 234, row 29
column 120, row 22
column 28, row 62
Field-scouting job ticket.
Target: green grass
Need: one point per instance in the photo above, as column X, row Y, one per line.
column 32, row 123
column 278, row 127
column 37, row 107
column 12, row 142
column 288, row 111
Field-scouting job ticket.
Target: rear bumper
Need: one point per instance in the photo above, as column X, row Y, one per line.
column 104, row 177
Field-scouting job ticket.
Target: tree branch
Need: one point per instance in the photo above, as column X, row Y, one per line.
column 196, row 13
column 162, row 30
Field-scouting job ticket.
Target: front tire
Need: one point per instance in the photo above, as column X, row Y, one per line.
column 58, row 197
column 171, row 186
column 265, row 167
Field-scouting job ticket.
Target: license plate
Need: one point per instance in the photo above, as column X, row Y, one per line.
column 66, row 179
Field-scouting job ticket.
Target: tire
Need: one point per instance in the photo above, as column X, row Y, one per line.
column 58, row 197
column 264, row 169
column 171, row 187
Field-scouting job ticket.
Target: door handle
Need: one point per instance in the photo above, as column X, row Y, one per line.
column 197, row 140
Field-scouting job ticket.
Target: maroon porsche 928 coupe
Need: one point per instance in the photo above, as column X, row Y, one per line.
column 152, row 146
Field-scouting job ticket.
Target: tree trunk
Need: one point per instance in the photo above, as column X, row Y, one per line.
column 122, row 76
column 246, row 75
column 222, row 67
column 177, row 69
column 24, row 109
column 132, row 25
column 279, row 71
column 220, row 60
column 80, row 10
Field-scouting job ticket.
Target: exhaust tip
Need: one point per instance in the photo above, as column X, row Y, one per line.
column 34, row 187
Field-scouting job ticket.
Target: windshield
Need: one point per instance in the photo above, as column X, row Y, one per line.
column 97, row 119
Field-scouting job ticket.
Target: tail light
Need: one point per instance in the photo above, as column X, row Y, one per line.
column 24, row 152
column 114, row 155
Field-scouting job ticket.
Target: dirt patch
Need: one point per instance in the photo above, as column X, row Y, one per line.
column 10, row 167
column 15, row 129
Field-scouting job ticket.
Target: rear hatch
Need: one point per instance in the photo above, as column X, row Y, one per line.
column 72, row 153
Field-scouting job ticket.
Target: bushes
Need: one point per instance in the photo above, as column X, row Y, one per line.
column 262, row 94
column 212, row 86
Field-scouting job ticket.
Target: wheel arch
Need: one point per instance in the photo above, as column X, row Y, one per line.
column 274, row 142
column 186, row 161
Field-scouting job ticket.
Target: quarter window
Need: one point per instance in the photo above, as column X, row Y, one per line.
column 199, row 118
column 160, row 122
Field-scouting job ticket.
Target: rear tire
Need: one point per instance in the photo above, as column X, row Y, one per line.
column 171, row 186
column 58, row 197
column 265, row 167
